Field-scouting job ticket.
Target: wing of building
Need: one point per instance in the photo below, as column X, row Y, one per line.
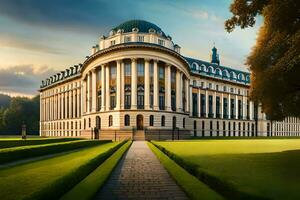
column 137, row 84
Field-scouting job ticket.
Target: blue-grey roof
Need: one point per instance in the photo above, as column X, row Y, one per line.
column 217, row 71
column 142, row 25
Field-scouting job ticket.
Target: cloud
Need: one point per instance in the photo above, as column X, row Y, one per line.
column 87, row 15
column 23, row 79
column 15, row 41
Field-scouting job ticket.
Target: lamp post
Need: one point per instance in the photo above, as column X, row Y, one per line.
column 23, row 131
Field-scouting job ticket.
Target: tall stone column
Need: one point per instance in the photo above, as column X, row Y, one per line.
column 122, row 85
column 168, row 86
column 133, row 84
column 107, row 90
column 147, row 84
column 83, row 96
column 222, row 105
column 214, row 105
column 187, row 95
column 118, row 94
column 191, row 100
column 74, row 100
column 70, row 103
column 251, row 110
column 178, row 91
column 94, row 90
column 199, row 103
column 206, row 104
column 66, row 104
column 103, row 86
column 88, row 92
column 79, row 104
column 229, row 106
column 236, row 107
column 155, row 85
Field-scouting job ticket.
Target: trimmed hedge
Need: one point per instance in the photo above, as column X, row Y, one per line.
column 194, row 188
column 68, row 181
column 223, row 187
column 18, row 153
column 89, row 186
column 19, row 142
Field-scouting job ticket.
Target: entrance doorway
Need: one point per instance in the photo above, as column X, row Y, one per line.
column 139, row 122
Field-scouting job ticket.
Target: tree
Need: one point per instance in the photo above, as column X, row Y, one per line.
column 274, row 61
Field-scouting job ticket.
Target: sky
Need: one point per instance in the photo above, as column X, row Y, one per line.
column 39, row 38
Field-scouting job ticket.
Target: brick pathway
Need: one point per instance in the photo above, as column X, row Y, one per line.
column 139, row 175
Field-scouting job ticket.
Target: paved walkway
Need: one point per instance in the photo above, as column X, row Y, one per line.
column 139, row 175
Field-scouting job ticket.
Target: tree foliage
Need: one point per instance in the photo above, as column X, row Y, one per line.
column 20, row 110
column 275, row 58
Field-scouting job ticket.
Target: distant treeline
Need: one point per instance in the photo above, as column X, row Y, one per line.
column 14, row 111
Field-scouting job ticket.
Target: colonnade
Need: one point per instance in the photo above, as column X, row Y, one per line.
column 89, row 89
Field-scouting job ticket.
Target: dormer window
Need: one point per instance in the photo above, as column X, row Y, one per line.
column 161, row 42
column 151, row 30
column 127, row 39
column 112, row 42
column 140, row 38
column 135, row 30
column 111, row 33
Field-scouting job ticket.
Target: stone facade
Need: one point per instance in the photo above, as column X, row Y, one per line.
column 138, row 81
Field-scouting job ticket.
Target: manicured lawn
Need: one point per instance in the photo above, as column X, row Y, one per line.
column 242, row 169
column 15, row 142
column 23, row 152
column 52, row 177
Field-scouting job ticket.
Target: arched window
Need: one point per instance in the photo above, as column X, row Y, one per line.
column 225, row 73
column 163, row 120
column 211, row 70
column 218, row 72
column 174, row 122
column 98, row 122
column 183, row 123
column 151, row 120
column 110, row 120
column 127, row 120
column 89, row 122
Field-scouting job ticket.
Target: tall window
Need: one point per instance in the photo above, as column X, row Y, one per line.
column 248, row 110
column 140, row 38
column 173, row 89
column 210, row 106
column 225, row 108
column 98, row 82
column 203, row 105
column 140, row 83
column 110, row 120
column 127, row 85
column 218, row 107
column 240, row 109
column 224, row 128
column 151, row 120
column 232, row 114
column 183, row 94
column 195, row 104
column 162, row 120
column 203, row 128
column 112, row 85
column 183, row 123
column 161, row 77
column 127, row 120
column 211, row 128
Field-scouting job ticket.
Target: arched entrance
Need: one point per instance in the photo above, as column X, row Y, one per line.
column 139, row 122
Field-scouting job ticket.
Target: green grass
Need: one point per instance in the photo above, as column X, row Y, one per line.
column 89, row 186
column 242, row 169
column 52, row 177
column 194, row 188
column 8, row 143
column 23, row 152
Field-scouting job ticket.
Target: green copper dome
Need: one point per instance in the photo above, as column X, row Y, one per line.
column 142, row 25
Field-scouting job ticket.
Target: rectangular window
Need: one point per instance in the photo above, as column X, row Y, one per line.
column 232, row 108
column 195, row 104
column 203, row 105
column 161, row 42
column 140, row 38
column 112, row 42
column 225, row 108
column 218, row 107
column 210, row 106
column 127, row 39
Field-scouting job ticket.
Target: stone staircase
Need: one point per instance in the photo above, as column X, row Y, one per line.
column 139, row 135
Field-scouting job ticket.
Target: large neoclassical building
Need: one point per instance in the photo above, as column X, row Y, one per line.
column 137, row 84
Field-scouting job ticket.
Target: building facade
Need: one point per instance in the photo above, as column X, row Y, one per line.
column 136, row 83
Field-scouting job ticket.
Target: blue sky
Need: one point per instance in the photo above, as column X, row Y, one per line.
column 38, row 38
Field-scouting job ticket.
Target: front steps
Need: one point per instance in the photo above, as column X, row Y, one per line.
column 139, row 135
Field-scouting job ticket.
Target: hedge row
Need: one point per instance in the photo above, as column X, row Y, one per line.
column 19, row 142
column 68, row 181
column 225, row 188
column 23, row 152
column 194, row 188
column 89, row 186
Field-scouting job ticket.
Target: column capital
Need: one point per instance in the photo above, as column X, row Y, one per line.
column 93, row 70
column 147, row 59
column 119, row 61
column 133, row 59
column 155, row 60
